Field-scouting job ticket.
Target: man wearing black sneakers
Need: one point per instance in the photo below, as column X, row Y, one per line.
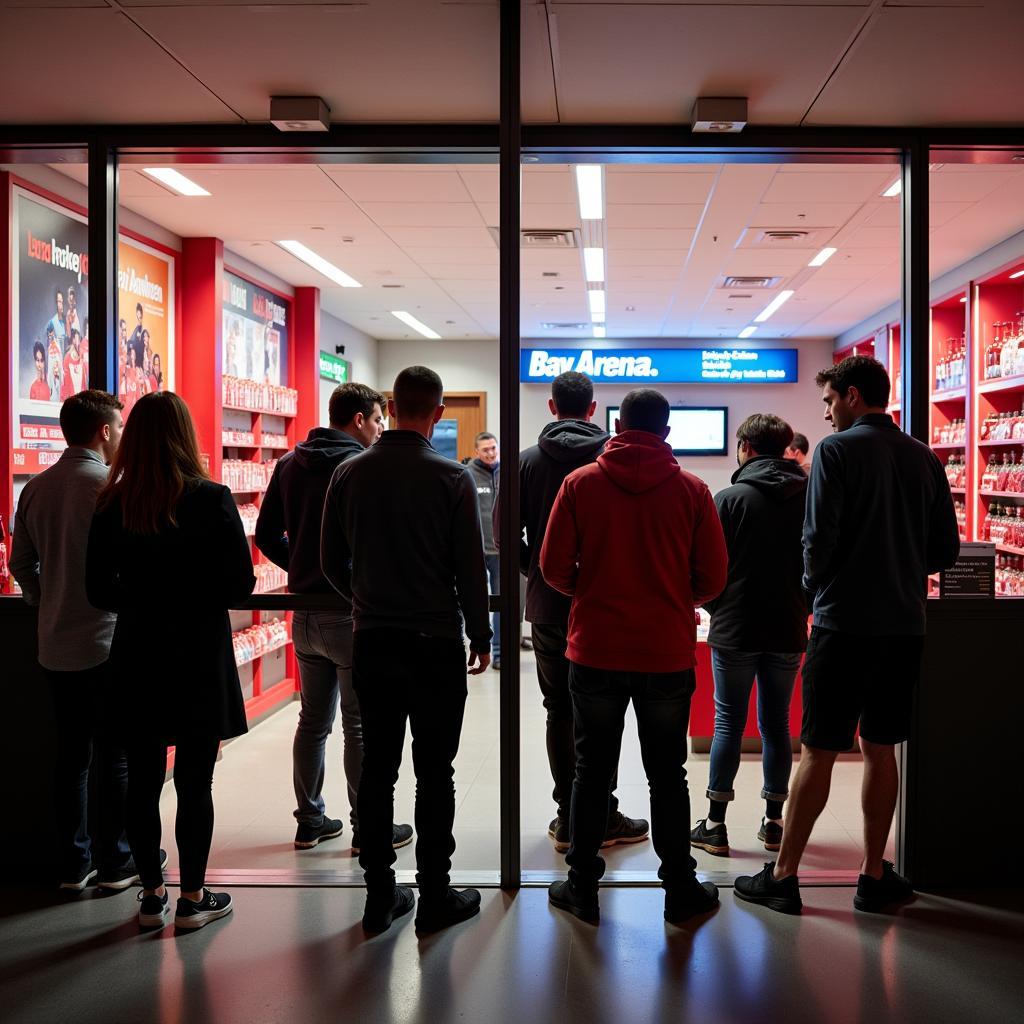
column 879, row 520
column 401, row 538
column 288, row 533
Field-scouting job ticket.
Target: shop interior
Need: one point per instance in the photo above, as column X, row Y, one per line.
column 262, row 285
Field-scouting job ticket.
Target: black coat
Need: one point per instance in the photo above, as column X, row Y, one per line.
column 173, row 671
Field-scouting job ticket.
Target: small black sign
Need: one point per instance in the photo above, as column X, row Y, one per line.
column 973, row 575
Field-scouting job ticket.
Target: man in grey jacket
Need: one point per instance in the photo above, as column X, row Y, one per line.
column 48, row 561
column 486, row 467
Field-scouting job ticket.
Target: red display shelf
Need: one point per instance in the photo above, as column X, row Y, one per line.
column 269, row 650
column 997, row 384
column 958, row 490
column 948, row 446
column 1008, row 549
column 1008, row 443
column 1018, row 495
column 260, row 412
column 951, row 395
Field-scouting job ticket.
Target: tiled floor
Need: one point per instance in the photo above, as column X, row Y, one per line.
column 254, row 802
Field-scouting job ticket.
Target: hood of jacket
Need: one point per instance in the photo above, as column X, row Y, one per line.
column 572, row 441
column 779, row 479
column 320, row 451
column 637, row 461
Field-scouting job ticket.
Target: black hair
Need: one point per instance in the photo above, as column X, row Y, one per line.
column 348, row 399
column 138, row 307
column 572, row 393
column 644, row 409
column 84, row 414
column 800, row 444
column 37, row 346
column 418, row 391
column 865, row 374
column 57, row 293
column 766, row 433
column 484, row 435
column 50, row 330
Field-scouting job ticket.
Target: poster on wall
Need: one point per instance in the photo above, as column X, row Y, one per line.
column 255, row 332
column 145, row 344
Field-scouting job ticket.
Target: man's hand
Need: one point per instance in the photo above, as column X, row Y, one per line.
column 477, row 663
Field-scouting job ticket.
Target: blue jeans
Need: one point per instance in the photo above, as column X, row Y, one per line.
column 735, row 672
column 494, row 585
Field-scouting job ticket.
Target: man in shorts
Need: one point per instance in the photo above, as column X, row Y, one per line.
column 879, row 520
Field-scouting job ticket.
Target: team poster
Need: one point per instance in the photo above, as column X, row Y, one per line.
column 255, row 326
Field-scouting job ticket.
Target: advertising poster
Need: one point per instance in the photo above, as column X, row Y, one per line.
column 255, row 332
column 145, row 305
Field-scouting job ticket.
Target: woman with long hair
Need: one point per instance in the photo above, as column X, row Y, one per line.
column 167, row 546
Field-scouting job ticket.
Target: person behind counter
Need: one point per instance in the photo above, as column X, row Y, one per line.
column 167, row 545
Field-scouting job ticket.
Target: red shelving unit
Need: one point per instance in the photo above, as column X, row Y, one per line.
column 892, row 332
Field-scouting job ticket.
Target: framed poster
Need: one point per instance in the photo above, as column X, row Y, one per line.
column 255, row 332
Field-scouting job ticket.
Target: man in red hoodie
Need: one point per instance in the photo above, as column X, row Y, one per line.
column 637, row 543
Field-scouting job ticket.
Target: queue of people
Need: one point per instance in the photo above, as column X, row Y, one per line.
column 620, row 545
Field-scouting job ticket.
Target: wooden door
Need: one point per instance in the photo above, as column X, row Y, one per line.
column 469, row 410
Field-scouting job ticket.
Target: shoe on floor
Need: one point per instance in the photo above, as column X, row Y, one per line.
column 308, row 836
column 565, row 896
column 401, row 835
column 689, row 901
column 526, row 644
column 213, row 905
column 435, row 914
column 380, row 911
column 77, row 881
column 623, row 830
column 874, row 894
column 711, row 840
column 121, row 878
column 154, row 911
column 770, row 833
column 558, row 832
column 496, row 664
column 762, row 888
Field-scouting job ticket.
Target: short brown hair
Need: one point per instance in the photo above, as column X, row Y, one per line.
column 644, row 409
column 418, row 391
column 83, row 415
column 865, row 374
column 766, row 433
column 348, row 399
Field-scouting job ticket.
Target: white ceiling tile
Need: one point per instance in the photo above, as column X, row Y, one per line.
column 648, row 238
column 653, row 215
column 822, row 187
column 400, row 186
column 482, row 185
column 875, row 238
column 548, row 187
column 795, row 215
column 449, row 238
column 647, row 258
column 659, row 188
column 430, row 215
column 427, row 254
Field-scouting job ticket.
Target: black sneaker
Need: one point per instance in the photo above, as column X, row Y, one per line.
column 496, row 664
column 697, row 898
column 154, row 911
column 712, row 840
column 401, row 835
column 770, row 833
column 453, row 907
column 762, row 888
column 622, row 830
column 308, row 836
column 80, row 879
column 119, row 879
column 874, row 894
column 381, row 911
column 566, row 897
column 212, row 906
column 526, row 644
column 558, row 831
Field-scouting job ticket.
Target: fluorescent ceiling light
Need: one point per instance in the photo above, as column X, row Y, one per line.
column 599, row 331
column 596, row 299
column 176, row 181
column 416, row 325
column 318, row 263
column 1020, row 273
column 597, row 318
column 782, row 297
column 894, row 189
column 747, row 331
column 590, row 189
column 824, row 256
column 593, row 264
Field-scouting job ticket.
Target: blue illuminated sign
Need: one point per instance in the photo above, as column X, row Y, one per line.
column 662, row 365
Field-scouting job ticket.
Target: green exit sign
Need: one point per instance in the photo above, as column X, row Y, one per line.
column 334, row 368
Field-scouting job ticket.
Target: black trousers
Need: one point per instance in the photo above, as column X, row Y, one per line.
column 662, row 705
column 549, row 643
column 193, row 825
column 85, row 744
column 404, row 676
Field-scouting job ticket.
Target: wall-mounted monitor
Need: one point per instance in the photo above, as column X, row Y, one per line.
column 693, row 430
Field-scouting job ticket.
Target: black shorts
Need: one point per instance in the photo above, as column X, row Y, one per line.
column 850, row 679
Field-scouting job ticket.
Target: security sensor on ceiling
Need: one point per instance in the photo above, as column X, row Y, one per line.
column 719, row 114
column 300, row 114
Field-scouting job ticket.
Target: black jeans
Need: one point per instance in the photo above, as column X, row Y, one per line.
column 84, row 743
column 401, row 675
column 661, row 701
column 193, row 825
column 549, row 643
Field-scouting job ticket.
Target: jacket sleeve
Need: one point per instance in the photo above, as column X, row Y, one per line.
column 821, row 519
column 102, row 581
column 271, row 535
column 943, row 545
column 559, row 554
column 722, row 507
column 235, row 578
column 335, row 553
column 25, row 559
column 709, row 561
column 470, row 568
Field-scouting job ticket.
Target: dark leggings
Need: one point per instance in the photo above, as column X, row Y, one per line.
column 193, row 826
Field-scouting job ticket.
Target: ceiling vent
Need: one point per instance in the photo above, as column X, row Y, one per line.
column 543, row 238
column 549, row 273
column 780, row 235
column 749, row 282
column 785, row 238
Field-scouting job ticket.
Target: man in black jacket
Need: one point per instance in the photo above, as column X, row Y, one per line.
column 879, row 520
column 401, row 538
column 563, row 446
column 758, row 623
column 485, row 467
column 288, row 533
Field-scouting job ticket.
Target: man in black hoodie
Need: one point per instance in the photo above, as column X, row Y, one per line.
column 563, row 446
column 288, row 533
column 758, row 623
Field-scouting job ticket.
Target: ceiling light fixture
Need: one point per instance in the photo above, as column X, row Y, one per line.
column 894, row 189
column 596, row 299
column 1020, row 273
column 319, row 264
column 417, row 325
column 597, row 318
column 599, row 331
column 176, row 181
column 773, row 306
column 747, row 331
column 593, row 264
column 590, row 190
column 823, row 257
column 719, row 114
column 299, row 114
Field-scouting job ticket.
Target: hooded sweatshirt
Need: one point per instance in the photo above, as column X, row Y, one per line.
column 763, row 606
column 288, row 527
column 635, row 540
column 486, row 480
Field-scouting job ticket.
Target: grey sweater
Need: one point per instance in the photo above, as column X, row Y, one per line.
column 48, row 561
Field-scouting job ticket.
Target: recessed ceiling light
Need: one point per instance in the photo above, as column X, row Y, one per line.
column 747, row 331
column 631, row 309
column 416, row 325
column 590, row 190
column 894, row 189
column 596, row 299
column 176, row 181
column 599, row 331
column 1020, row 273
column 318, row 263
column 593, row 263
column 823, row 257
column 782, row 297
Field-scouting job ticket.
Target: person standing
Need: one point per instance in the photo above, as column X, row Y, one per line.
column 758, row 624
column 879, row 519
column 568, row 443
column 288, row 533
column 58, row 320
column 797, row 451
column 167, row 545
column 485, row 467
column 136, row 342
column 48, row 561
column 402, row 540
column 636, row 542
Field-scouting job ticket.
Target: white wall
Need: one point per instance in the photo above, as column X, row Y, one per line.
column 360, row 350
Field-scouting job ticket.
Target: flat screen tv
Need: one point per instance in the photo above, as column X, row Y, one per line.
column 693, row 430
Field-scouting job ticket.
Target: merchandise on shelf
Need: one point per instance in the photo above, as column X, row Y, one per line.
column 1010, row 576
column 954, row 432
column 269, row 577
column 1004, row 475
column 244, row 477
column 239, row 393
column 248, row 513
column 1003, row 525
column 237, row 439
column 274, row 440
column 960, row 507
column 956, row 470
column 1004, row 355
column 951, row 366
column 252, row 643
column 1003, row 426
